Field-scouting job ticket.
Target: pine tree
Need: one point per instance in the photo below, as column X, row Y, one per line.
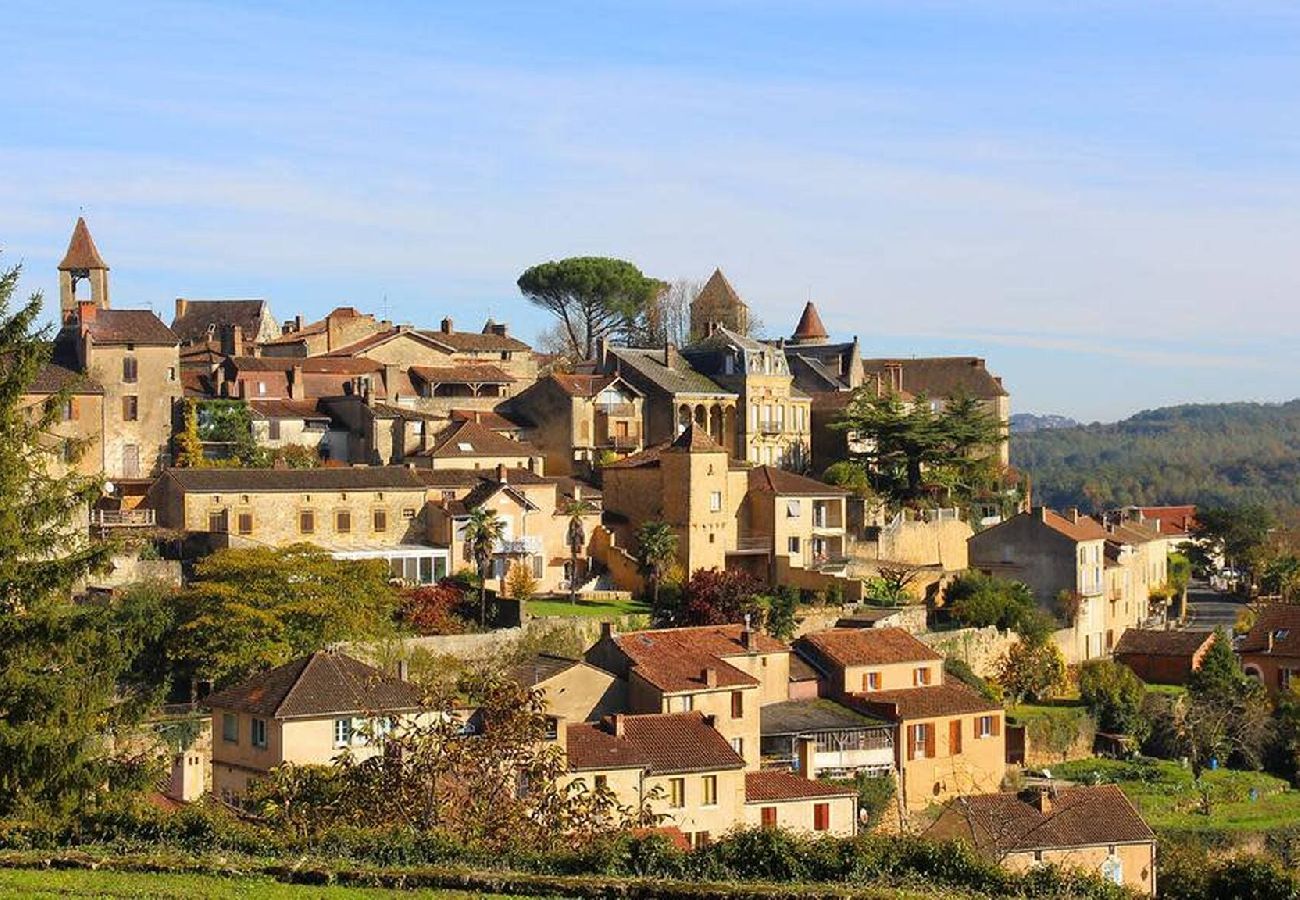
column 61, row 664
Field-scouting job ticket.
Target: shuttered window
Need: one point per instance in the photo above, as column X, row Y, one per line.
column 769, row 816
column 737, row 704
column 954, row 737
column 821, row 816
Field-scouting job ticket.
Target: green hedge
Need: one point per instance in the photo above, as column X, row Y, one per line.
column 744, row 856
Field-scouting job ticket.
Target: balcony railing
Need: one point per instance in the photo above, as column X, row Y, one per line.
column 771, row 427
column 521, row 546
column 123, row 518
column 621, row 441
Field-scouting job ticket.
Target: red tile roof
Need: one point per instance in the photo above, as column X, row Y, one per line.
column 674, row 659
column 1159, row 642
column 647, row 458
column 470, row 373
column 663, row 743
column 952, row 698
column 480, row 441
column 130, row 326
column 582, row 385
column 771, row 480
column 810, row 324
column 475, row 342
column 82, row 252
column 1173, row 521
column 774, row 787
column 494, row 420
column 1075, row 817
column 322, row 684
column 696, row 440
column 868, row 646
column 286, row 409
column 311, row 365
column 1281, row 622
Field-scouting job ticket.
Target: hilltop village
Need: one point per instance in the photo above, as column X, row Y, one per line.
column 689, row 557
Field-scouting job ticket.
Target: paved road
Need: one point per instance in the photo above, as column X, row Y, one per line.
column 1210, row 609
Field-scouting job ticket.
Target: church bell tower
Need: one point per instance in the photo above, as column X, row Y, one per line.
column 81, row 263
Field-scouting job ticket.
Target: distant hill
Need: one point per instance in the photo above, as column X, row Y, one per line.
column 1023, row 423
column 1212, row 454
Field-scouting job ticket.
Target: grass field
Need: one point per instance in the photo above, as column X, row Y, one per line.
column 44, row 884
column 1163, row 791
column 602, row 609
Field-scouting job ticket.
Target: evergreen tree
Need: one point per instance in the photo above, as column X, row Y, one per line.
column 61, row 664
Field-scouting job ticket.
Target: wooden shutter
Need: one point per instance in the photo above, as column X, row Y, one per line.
column 769, row 816
column 821, row 816
column 911, row 741
column 954, row 737
column 737, row 704
column 929, row 740
column 996, row 724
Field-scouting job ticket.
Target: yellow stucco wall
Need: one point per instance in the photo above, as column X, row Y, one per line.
column 977, row 769
column 1137, row 860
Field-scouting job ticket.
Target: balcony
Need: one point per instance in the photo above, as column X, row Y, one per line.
column 754, row 545
column 771, row 427
column 528, row 545
column 123, row 518
column 620, row 441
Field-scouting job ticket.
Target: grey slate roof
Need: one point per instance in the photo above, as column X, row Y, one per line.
column 646, row 368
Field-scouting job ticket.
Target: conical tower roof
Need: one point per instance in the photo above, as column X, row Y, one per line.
column 718, row 293
column 82, row 252
column 810, row 327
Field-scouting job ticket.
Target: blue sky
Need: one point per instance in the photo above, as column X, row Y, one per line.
column 1102, row 199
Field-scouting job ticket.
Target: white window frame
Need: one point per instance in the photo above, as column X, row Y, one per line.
column 715, row 501
column 256, row 729
column 985, row 727
column 343, row 732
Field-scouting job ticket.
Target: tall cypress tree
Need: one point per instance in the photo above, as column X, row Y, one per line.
column 62, row 664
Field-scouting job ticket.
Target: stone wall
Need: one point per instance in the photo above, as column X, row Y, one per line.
column 925, row 543
column 979, row 648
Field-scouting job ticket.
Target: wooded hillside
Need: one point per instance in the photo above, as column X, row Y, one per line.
column 1212, row 455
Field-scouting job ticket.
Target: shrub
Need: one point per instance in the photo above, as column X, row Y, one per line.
column 442, row 608
column 1114, row 697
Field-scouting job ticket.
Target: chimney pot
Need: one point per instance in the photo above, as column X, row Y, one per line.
column 1043, row 801
column 446, row 325
column 606, row 631
column 1072, row 514
column 86, row 310
column 403, row 670
column 181, row 306
column 619, row 724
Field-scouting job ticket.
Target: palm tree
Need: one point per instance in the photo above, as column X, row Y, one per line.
column 656, row 551
column 577, row 538
column 483, row 532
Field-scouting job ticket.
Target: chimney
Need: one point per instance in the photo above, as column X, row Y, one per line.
column 807, row 758
column 236, row 340
column 1270, row 641
column 1072, row 514
column 1042, row 800
column 86, row 310
column 1042, row 513
column 297, row 323
column 532, row 464
column 296, row 387
column 500, row 329
column 606, row 631
column 181, row 306
column 403, row 670
column 710, row 677
column 618, row 725
column 670, row 355
column 602, row 350
column 446, row 325
column 391, row 374
column 502, row 474
column 894, row 375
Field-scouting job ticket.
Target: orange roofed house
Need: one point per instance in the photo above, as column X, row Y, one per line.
column 1091, row 829
column 1270, row 651
column 727, row 671
column 951, row 739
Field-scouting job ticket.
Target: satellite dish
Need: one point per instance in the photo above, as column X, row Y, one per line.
column 109, row 487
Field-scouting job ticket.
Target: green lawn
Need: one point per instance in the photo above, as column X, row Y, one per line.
column 602, row 609
column 1163, row 791
column 38, row 883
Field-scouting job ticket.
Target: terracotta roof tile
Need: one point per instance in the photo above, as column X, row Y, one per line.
column 1173, row 521
column 82, row 252
column 774, row 787
column 129, row 326
column 470, row 439
column 867, row 646
column 286, row 409
column 1077, row 817
column 1159, row 642
column 471, row 373
column 1282, row 621
column 810, row 324
column 53, row 378
column 663, row 743
column 674, row 659
column 492, row 419
column 771, row 480
column 952, row 698
column 475, row 342
column 322, row 684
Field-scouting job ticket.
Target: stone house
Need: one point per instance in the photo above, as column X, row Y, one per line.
column 718, row 303
column 1089, row 829
column 1055, row 555
column 533, row 510
column 802, row 521
column 1163, row 656
column 675, row 394
column 773, row 421
column 725, row 671
column 691, row 485
column 572, row 690
column 949, row 739
column 340, row 327
column 230, row 327
column 277, row 424
column 578, row 418
column 1270, row 651
column 131, row 354
column 364, row 512
column 305, row 712
column 471, row 445
column 80, row 416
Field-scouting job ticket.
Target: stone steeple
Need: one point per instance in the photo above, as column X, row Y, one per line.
column 82, row 262
column 718, row 303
